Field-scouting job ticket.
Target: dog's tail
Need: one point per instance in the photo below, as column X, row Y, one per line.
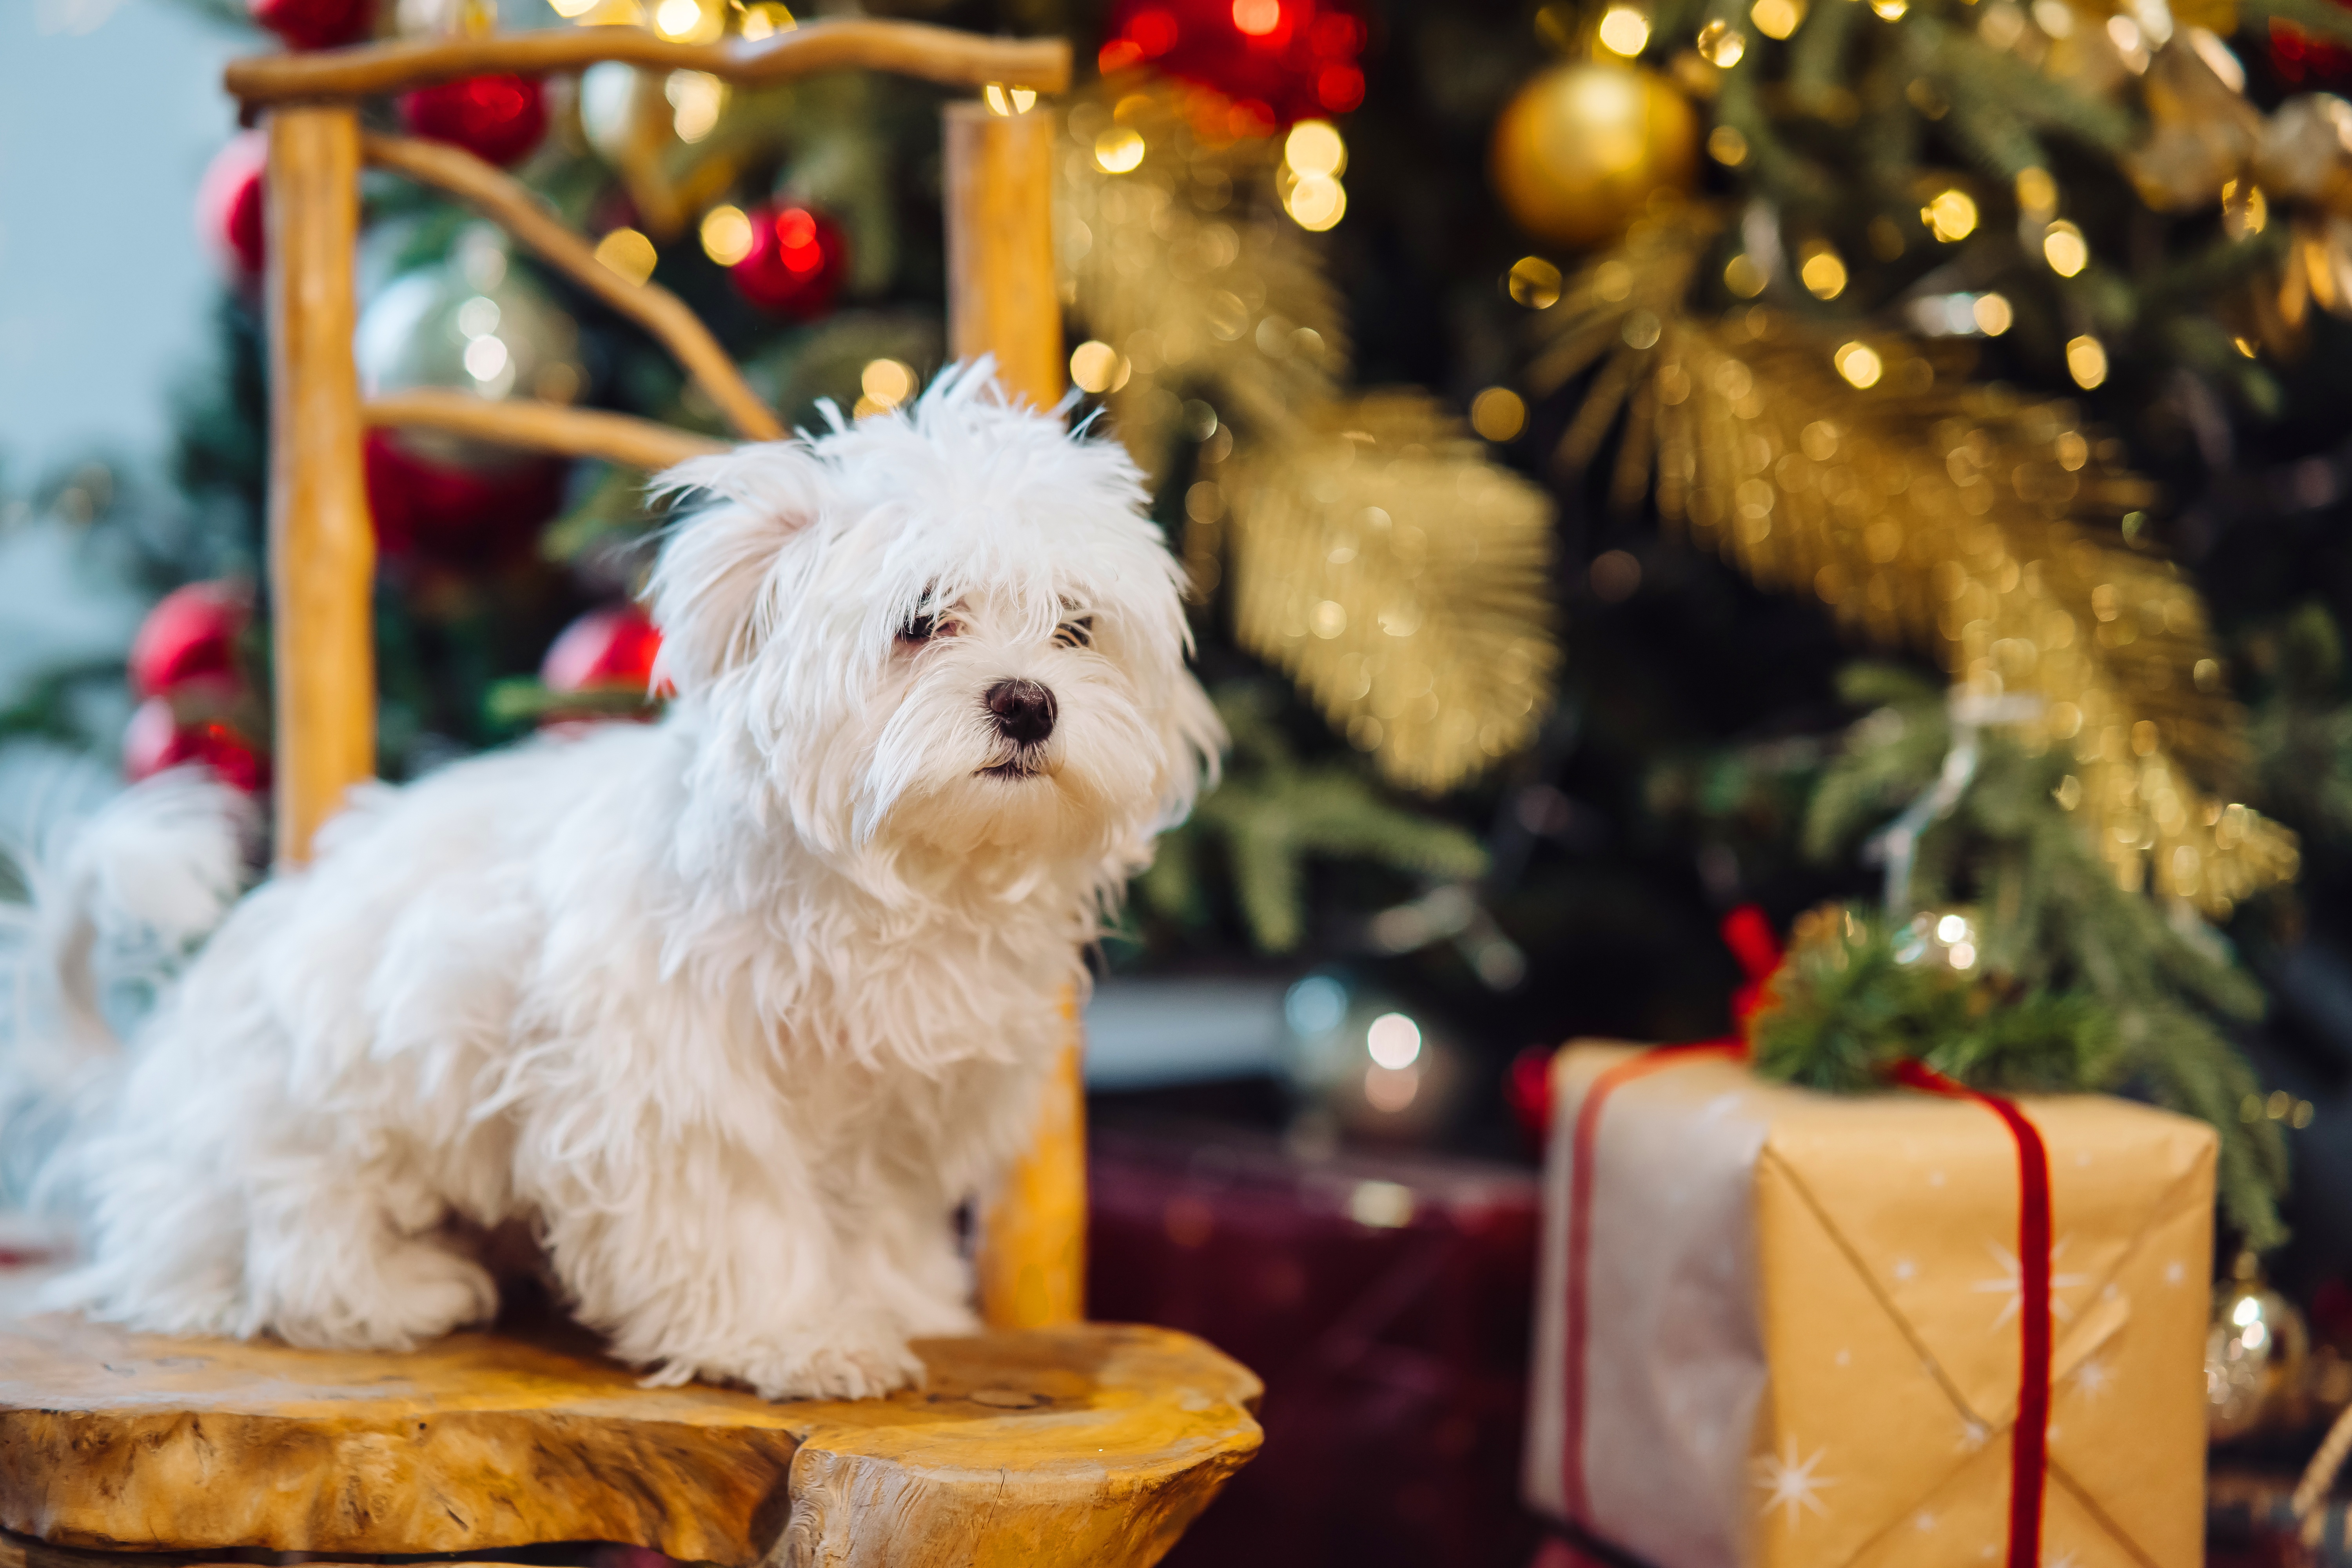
column 109, row 906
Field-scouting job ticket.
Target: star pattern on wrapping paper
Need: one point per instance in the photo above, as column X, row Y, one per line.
column 1790, row 1483
column 2094, row 1377
column 2011, row 1283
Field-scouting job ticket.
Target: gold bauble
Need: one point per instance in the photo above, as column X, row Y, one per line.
column 1581, row 147
column 2255, row 1354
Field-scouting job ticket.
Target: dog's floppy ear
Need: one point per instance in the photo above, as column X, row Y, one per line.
column 713, row 592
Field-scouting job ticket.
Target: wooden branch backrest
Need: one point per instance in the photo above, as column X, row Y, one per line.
column 1002, row 300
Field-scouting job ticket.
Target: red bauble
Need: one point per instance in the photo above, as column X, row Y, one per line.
column 1278, row 60
column 797, row 261
column 313, row 24
column 228, row 205
column 611, row 650
column 157, row 738
column 190, row 635
column 496, row 118
column 453, row 515
column 2299, row 57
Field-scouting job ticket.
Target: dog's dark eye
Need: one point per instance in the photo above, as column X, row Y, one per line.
column 919, row 628
column 1079, row 633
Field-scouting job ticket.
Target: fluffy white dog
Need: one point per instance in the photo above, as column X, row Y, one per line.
column 734, row 1009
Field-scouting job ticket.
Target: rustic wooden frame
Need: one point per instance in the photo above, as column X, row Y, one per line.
column 1002, row 300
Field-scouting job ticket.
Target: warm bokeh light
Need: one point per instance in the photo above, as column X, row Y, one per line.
column 1952, row 215
column 1744, row 276
column 1823, row 272
column 1777, row 18
column 696, row 99
column 766, row 20
column 1314, row 147
column 1499, row 414
column 1316, row 203
column 1534, row 283
column 1722, row 44
column 1096, row 367
column 628, row 253
column 2063, row 247
column 1119, row 150
column 1257, row 17
column 1625, row 31
column 886, row 382
column 1993, row 314
column 683, row 19
column 1727, row 146
column 2086, row 362
column 1859, row 363
column 726, row 234
column 1004, row 100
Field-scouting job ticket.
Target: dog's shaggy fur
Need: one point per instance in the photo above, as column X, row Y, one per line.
column 735, row 1008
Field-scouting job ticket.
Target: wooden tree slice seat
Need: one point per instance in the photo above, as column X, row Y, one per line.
column 1092, row 1444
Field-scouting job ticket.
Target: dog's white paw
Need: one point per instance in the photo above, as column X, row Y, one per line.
column 418, row 1292
column 854, row 1365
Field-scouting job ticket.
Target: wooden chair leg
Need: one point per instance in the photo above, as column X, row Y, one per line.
column 321, row 546
column 1032, row 1253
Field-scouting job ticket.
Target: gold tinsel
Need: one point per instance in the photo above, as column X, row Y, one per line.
column 1182, row 265
column 1400, row 578
column 1375, row 553
column 1994, row 529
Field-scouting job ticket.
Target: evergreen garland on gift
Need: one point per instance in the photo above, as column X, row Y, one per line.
column 2031, row 969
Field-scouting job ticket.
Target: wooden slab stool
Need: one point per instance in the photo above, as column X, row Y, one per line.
column 1047, row 1442
column 1092, row 1444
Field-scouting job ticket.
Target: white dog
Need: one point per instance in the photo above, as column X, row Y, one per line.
column 734, row 1009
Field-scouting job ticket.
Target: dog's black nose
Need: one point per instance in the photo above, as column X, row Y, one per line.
column 1024, row 710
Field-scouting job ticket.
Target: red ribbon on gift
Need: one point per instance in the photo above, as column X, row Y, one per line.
column 2028, row 1439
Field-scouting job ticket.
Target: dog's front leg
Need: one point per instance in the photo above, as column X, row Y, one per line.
column 705, row 1259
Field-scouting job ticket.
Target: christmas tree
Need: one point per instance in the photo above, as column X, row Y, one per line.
column 1548, row 403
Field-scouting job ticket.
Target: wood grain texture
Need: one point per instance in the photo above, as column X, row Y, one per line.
column 1092, row 1445
column 909, row 48
column 540, row 427
column 1000, row 234
column 508, row 202
column 321, row 545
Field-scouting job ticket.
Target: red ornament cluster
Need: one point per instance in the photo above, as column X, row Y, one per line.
column 1278, row 60
column 228, row 205
column 795, row 264
column 313, row 24
column 183, row 663
column 497, row 118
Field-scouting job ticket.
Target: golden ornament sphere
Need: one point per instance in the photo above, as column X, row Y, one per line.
column 1581, row 147
column 2256, row 1353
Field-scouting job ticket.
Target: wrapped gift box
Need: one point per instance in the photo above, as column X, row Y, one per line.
column 1782, row 1328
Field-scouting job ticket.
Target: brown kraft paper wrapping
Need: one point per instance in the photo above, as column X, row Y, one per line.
column 1801, row 1341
